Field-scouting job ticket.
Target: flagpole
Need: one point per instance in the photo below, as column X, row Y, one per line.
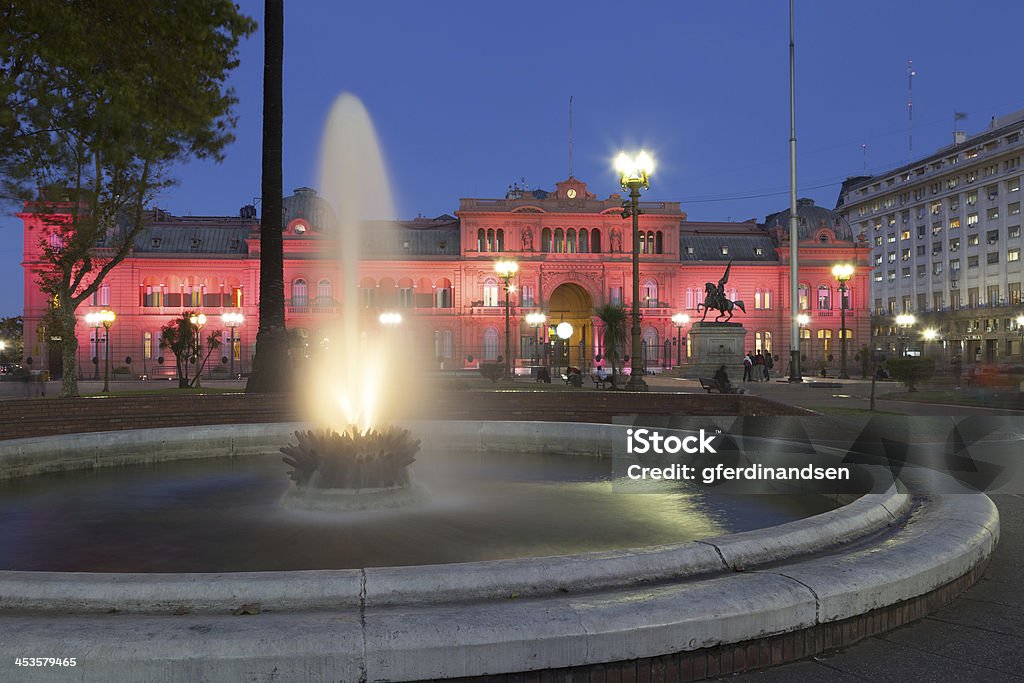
column 795, row 375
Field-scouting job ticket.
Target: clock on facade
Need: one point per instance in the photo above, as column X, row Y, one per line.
column 571, row 193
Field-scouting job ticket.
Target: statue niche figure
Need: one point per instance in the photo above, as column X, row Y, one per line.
column 715, row 298
column 527, row 237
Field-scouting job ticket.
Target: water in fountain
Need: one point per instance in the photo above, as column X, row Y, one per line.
column 352, row 379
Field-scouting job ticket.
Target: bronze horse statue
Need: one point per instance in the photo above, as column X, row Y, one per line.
column 715, row 298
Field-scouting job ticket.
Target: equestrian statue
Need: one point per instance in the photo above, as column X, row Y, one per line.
column 714, row 298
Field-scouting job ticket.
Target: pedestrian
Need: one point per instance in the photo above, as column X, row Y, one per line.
column 748, row 363
column 769, row 363
column 759, row 367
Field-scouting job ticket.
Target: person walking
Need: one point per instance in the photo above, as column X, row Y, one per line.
column 769, row 364
column 759, row 367
column 748, row 363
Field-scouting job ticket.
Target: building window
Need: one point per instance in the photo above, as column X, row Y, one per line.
column 972, row 261
column 443, row 294
column 649, row 294
column 1013, row 231
column 954, row 265
column 526, row 296
column 972, row 240
column 725, row 250
column 921, row 270
column 954, row 244
column 147, row 344
column 324, row 293
column 545, row 240
column 1013, row 293
column 595, row 241
column 490, row 344
column 615, row 296
column 443, row 344
column 300, row 293
column 992, row 257
column 906, row 271
column 992, row 214
column 992, row 295
column 758, row 251
column 559, row 245
column 824, row 298
column 406, row 297
column 584, row 241
column 804, row 295
column 570, row 241
column 1013, row 209
column 937, row 268
column 1013, row 255
column 992, row 236
column 491, row 297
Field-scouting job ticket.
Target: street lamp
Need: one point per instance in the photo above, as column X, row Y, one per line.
column 842, row 273
column 904, row 321
column 679, row 319
column 232, row 320
column 198, row 320
column 536, row 320
column 389, row 319
column 505, row 270
column 802, row 320
column 633, row 174
column 929, row 335
column 564, row 331
column 93, row 321
column 1020, row 328
column 105, row 318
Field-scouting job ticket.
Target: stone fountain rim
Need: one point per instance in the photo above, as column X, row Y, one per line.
column 390, row 586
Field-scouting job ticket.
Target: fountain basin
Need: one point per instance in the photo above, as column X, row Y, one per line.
column 413, row 623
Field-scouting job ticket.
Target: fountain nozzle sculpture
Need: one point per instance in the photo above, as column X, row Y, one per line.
column 352, row 459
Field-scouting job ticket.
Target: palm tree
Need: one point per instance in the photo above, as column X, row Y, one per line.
column 270, row 367
column 614, row 337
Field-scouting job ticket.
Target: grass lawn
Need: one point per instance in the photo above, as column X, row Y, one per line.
column 967, row 396
column 842, row 410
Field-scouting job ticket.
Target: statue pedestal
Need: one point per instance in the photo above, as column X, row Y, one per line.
column 714, row 345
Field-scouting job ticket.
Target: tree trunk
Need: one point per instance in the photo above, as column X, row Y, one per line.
column 69, row 382
column 270, row 371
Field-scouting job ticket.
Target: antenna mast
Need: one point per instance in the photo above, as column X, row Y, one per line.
column 570, row 136
column 910, row 106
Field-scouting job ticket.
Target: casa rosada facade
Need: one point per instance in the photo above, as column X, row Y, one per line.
column 573, row 250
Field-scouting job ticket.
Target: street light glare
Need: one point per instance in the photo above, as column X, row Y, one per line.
column 842, row 271
column 930, row 334
column 803, row 319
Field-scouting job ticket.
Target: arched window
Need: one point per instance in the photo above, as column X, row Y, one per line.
column 649, row 294
column 826, row 341
column 300, row 293
column 595, row 241
column 443, row 294
column 643, row 242
column 804, row 293
column 824, row 298
column 442, row 344
column 689, row 298
column 490, row 344
column 584, row 244
column 757, row 298
column 570, row 241
column 368, row 292
column 650, row 241
column 559, row 241
column 545, row 240
column 490, row 240
column 659, row 243
column 406, row 293
column 650, row 346
column 500, row 237
column 763, row 341
column 491, row 292
column 56, row 241
column 766, row 298
column 481, row 240
column 324, row 293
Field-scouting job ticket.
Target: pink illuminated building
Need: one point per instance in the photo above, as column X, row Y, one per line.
column 573, row 251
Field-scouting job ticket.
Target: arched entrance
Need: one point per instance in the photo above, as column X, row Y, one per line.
column 573, row 304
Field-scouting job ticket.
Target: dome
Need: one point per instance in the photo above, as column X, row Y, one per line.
column 306, row 204
column 811, row 219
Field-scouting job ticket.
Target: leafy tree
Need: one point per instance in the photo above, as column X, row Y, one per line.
column 184, row 339
column 613, row 316
column 99, row 101
column 910, row 370
column 11, row 339
column 270, row 367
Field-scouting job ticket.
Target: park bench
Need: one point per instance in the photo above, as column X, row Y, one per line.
column 602, row 383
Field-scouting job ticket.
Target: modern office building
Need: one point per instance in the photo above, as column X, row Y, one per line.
column 945, row 237
column 573, row 249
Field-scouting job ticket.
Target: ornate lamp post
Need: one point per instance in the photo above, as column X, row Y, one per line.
column 232, row 320
column 106, row 318
column 633, row 174
column 679, row 319
column 536, row 320
column 904, row 321
column 505, row 270
column 564, row 331
column 842, row 273
column 93, row 321
column 198, row 320
column 802, row 320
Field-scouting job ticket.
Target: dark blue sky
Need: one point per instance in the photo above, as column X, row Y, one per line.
column 469, row 97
